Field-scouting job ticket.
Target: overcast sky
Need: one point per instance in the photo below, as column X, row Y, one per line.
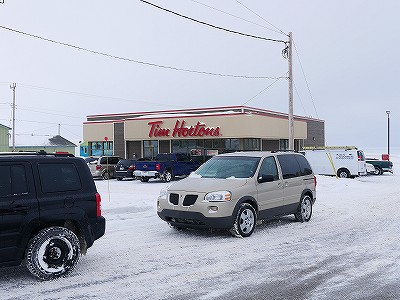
column 345, row 50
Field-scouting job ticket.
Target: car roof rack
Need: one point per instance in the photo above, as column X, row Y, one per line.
column 330, row 148
column 58, row 154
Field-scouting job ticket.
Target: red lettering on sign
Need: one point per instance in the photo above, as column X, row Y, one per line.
column 181, row 130
column 156, row 130
column 200, row 129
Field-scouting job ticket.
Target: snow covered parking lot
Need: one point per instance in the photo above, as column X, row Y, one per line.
column 349, row 250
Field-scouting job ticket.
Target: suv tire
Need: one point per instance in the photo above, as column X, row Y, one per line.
column 245, row 222
column 53, row 252
column 305, row 209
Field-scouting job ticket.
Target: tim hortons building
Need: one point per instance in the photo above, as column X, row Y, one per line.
column 200, row 132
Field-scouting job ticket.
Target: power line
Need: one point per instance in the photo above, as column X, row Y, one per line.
column 280, row 31
column 40, row 122
column 94, row 96
column 45, row 112
column 133, row 60
column 298, row 95
column 240, row 18
column 262, row 91
column 79, row 136
column 305, row 78
column 213, row 26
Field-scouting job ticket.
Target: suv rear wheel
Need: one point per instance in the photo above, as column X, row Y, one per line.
column 53, row 252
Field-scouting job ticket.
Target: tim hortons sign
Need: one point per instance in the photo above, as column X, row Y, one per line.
column 182, row 130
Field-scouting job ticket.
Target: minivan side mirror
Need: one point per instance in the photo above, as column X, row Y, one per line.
column 265, row 178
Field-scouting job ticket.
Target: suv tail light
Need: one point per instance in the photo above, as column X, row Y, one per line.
column 98, row 205
column 99, row 167
column 158, row 167
column 315, row 181
column 131, row 167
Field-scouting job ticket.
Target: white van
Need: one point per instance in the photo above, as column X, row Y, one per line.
column 341, row 161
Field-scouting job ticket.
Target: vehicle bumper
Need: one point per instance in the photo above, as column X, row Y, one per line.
column 95, row 230
column 99, row 228
column 187, row 219
column 96, row 174
column 151, row 174
column 124, row 174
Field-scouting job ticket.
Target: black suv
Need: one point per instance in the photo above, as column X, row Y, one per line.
column 50, row 212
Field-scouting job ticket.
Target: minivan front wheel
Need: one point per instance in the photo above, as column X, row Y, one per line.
column 52, row 253
column 305, row 209
column 245, row 222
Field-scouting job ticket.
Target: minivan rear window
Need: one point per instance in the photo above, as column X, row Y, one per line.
column 59, row 177
column 305, row 167
column 289, row 165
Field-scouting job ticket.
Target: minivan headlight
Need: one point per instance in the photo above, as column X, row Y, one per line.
column 219, row 196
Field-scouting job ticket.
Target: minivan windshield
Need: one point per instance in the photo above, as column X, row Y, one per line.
column 229, row 167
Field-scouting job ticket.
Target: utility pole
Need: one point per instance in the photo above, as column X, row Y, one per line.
column 13, row 86
column 291, row 126
column 59, row 129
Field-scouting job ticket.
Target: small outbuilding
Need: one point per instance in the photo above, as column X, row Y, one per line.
column 54, row 144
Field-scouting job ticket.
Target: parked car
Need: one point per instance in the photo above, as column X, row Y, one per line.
column 89, row 159
column 380, row 166
column 50, row 212
column 165, row 166
column 104, row 166
column 232, row 191
column 124, row 169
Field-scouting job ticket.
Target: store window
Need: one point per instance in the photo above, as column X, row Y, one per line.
column 284, row 144
column 232, row 144
column 102, row 148
column 251, row 144
column 193, row 147
column 150, row 148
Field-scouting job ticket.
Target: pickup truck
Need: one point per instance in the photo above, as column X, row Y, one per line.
column 380, row 165
column 165, row 166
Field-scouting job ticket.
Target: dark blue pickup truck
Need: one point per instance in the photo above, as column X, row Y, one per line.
column 165, row 166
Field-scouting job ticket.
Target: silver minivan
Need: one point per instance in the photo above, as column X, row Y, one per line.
column 233, row 191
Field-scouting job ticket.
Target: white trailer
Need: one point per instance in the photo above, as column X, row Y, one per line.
column 340, row 161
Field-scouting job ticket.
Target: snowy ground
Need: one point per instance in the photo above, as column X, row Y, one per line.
column 349, row 250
